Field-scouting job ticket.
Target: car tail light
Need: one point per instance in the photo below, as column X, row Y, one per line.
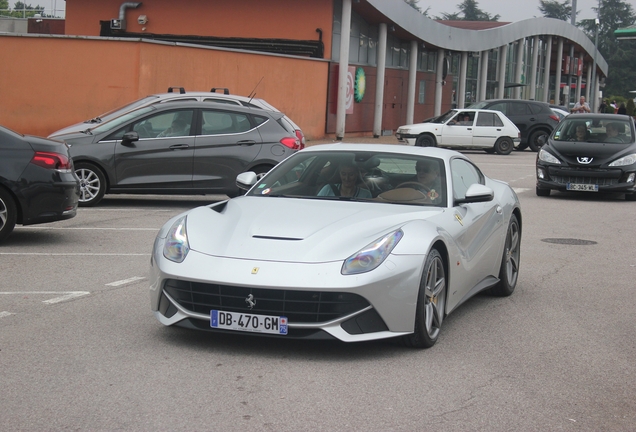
column 555, row 118
column 51, row 161
column 301, row 138
column 291, row 142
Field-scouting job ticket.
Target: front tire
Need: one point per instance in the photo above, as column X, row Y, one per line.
column 92, row 184
column 431, row 303
column 533, row 141
column 425, row 141
column 504, row 146
column 8, row 214
column 509, row 269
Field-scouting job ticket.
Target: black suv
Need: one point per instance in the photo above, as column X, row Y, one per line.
column 533, row 118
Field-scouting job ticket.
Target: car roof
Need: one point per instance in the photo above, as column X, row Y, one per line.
column 387, row 148
column 220, row 106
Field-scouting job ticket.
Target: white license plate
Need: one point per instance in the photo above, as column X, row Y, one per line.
column 248, row 322
column 582, row 187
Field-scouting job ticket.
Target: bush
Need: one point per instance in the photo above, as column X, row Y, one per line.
column 631, row 107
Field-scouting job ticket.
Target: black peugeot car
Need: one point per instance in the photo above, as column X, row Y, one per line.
column 37, row 182
column 589, row 153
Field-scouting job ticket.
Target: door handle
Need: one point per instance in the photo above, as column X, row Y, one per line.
column 469, row 128
column 179, row 147
column 246, row 142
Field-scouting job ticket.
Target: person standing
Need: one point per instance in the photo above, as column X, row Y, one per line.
column 622, row 109
column 581, row 106
column 603, row 106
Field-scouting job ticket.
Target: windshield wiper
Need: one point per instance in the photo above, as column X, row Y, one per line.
column 87, row 132
column 94, row 120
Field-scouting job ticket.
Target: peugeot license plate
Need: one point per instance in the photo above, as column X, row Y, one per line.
column 248, row 322
column 582, row 187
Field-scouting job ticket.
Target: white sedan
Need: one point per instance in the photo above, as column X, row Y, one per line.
column 483, row 129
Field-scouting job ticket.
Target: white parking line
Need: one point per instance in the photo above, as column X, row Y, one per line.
column 72, row 254
column 65, row 295
column 85, row 228
column 125, row 281
column 5, row 314
column 519, row 190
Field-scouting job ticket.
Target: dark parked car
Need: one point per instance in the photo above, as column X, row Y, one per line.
column 533, row 118
column 589, row 153
column 178, row 148
column 37, row 183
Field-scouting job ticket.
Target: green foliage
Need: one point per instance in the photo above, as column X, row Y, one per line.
column 470, row 11
column 413, row 4
column 21, row 10
column 631, row 107
column 554, row 9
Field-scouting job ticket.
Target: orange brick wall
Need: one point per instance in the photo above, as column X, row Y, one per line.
column 282, row 19
column 70, row 80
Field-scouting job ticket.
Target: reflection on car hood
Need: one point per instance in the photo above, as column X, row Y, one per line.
column 597, row 150
column 295, row 230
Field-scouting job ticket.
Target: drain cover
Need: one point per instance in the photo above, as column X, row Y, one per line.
column 569, row 241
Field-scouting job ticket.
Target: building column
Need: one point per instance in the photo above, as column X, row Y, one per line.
column 463, row 66
column 379, row 82
column 579, row 84
column 588, row 82
column 345, row 31
column 546, row 77
column 438, row 82
column 557, row 77
column 519, row 67
column 501, row 85
column 533, row 68
column 483, row 75
column 410, row 93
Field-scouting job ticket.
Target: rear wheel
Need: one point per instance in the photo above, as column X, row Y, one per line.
column 504, row 146
column 425, row 141
column 521, row 147
column 533, row 141
column 509, row 269
column 542, row 192
column 8, row 214
column 92, row 184
column 431, row 303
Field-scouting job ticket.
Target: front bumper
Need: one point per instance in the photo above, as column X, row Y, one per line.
column 388, row 294
column 608, row 179
column 407, row 139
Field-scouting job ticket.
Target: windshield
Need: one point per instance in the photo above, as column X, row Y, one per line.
column 118, row 121
column 357, row 176
column 444, row 117
column 148, row 100
column 595, row 130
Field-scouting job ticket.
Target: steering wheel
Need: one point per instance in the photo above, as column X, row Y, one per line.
column 414, row 185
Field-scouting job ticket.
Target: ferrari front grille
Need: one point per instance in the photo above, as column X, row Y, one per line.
column 297, row 306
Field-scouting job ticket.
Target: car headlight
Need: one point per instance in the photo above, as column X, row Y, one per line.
column 404, row 131
column 625, row 160
column 548, row 157
column 176, row 246
column 372, row 255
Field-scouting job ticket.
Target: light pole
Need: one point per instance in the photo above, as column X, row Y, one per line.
column 594, row 91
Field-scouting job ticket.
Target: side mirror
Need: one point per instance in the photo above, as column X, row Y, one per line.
column 477, row 193
column 130, row 137
column 246, row 180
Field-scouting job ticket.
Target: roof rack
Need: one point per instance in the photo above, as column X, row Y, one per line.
column 181, row 90
column 225, row 90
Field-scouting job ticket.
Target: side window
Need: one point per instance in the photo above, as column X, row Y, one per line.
column 535, row 109
column 485, row 119
column 500, row 106
column 464, row 174
column 162, row 125
column 519, row 108
column 497, row 121
column 224, row 122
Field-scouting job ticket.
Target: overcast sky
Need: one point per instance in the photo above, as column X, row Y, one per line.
column 510, row 10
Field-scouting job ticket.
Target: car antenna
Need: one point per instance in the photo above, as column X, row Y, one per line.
column 251, row 95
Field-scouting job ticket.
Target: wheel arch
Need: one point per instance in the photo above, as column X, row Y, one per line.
column 20, row 215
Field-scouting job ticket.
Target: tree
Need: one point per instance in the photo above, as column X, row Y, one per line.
column 471, row 12
column 4, row 7
column 554, row 9
column 413, row 4
column 22, row 10
column 612, row 15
